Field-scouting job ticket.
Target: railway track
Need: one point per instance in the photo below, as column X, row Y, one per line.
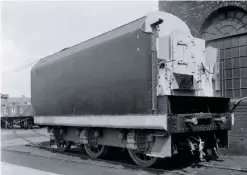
column 122, row 163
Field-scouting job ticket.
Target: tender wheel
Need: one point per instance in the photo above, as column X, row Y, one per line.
column 141, row 159
column 22, row 124
column 2, row 124
column 95, row 151
column 29, row 124
column 61, row 146
column 10, row 124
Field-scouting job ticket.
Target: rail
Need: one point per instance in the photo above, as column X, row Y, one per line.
column 120, row 163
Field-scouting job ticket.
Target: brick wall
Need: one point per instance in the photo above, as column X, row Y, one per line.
column 238, row 134
column 194, row 13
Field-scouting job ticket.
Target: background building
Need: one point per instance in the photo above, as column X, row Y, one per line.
column 4, row 99
column 223, row 24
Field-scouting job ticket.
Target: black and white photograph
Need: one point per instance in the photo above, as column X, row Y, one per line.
column 128, row 87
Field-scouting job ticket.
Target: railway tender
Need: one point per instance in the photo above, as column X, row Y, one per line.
column 148, row 86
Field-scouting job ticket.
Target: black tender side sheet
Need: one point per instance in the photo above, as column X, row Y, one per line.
column 110, row 77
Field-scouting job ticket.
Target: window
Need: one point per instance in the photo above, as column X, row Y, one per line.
column 233, row 59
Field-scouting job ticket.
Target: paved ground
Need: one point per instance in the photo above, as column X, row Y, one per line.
column 9, row 169
column 16, row 157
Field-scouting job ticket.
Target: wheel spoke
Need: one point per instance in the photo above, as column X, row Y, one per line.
column 144, row 157
column 95, row 152
column 141, row 159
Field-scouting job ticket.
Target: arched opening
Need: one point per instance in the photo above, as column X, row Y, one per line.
column 226, row 29
column 227, row 21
